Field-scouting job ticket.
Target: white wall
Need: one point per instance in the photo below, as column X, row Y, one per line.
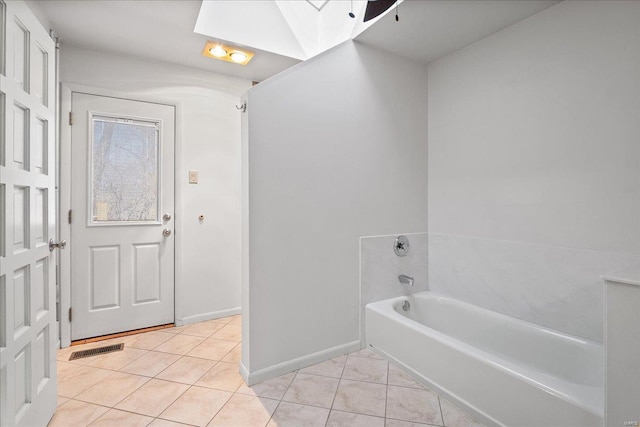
column 208, row 140
column 534, row 164
column 336, row 150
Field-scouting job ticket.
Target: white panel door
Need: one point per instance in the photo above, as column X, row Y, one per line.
column 122, row 190
column 28, row 328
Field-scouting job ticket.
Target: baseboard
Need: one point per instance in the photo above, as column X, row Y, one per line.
column 244, row 372
column 301, row 362
column 187, row 320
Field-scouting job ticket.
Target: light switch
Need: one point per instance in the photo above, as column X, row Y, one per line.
column 193, row 177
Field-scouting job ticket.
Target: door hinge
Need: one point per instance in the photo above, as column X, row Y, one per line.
column 70, row 118
column 69, row 216
column 70, row 314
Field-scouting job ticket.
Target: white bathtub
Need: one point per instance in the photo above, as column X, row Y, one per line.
column 503, row 370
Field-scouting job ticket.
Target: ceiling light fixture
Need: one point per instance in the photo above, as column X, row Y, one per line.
column 227, row 53
column 238, row 57
column 218, row 51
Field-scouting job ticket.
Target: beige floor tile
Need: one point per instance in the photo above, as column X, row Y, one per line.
column 197, row 406
column 212, row 349
column 455, row 417
column 236, row 320
column 361, row 397
column 124, row 339
column 64, row 354
column 179, row 344
column 397, row 423
column 72, row 379
column 347, row 419
column 203, row 329
column 273, row 388
column 114, row 417
column 312, row 390
column 366, row 369
column 245, row 411
column 175, row 329
column 151, row 364
column 411, row 404
column 186, row 370
column 224, row 320
column 330, row 368
column 223, row 376
column 149, row 340
column 62, row 401
column 229, row 333
column 112, row 389
column 153, row 397
column 294, row 415
column 75, row 413
column 365, row 352
column 399, row 378
column 165, row 423
column 234, row 356
column 116, row 360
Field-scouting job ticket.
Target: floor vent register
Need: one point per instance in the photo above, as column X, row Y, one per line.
column 96, row 351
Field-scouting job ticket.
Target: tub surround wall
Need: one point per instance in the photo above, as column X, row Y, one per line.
column 622, row 343
column 207, row 140
column 335, row 152
column 380, row 268
column 534, row 150
column 559, row 288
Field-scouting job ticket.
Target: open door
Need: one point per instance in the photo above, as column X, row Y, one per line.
column 28, row 329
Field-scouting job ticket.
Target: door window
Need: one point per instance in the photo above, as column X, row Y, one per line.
column 125, row 173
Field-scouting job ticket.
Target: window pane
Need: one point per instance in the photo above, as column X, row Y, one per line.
column 125, row 171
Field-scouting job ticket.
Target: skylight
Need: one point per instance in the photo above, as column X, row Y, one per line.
column 287, row 27
column 318, row 4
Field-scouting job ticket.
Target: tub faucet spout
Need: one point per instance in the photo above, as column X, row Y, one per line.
column 403, row 278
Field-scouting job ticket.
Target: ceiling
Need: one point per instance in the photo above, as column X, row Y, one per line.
column 154, row 29
column 430, row 29
column 163, row 30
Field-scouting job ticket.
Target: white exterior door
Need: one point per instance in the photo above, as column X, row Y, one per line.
column 122, row 202
column 28, row 328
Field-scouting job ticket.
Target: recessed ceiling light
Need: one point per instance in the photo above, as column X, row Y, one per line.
column 218, row 51
column 238, row 57
column 227, row 53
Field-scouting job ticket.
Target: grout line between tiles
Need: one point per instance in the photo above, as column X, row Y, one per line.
column 124, row 397
column 274, row 411
column 368, row 382
column 386, row 394
column 440, row 407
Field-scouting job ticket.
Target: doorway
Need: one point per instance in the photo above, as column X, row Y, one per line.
column 122, row 215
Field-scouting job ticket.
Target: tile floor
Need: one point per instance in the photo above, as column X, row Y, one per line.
column 189, row 376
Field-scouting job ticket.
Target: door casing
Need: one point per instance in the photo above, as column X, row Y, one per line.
column 65, row 196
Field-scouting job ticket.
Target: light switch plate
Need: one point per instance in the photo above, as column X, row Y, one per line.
column 193, row 177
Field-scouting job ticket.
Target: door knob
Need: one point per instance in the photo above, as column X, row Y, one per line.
column 166, row 232
column 166, row 217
